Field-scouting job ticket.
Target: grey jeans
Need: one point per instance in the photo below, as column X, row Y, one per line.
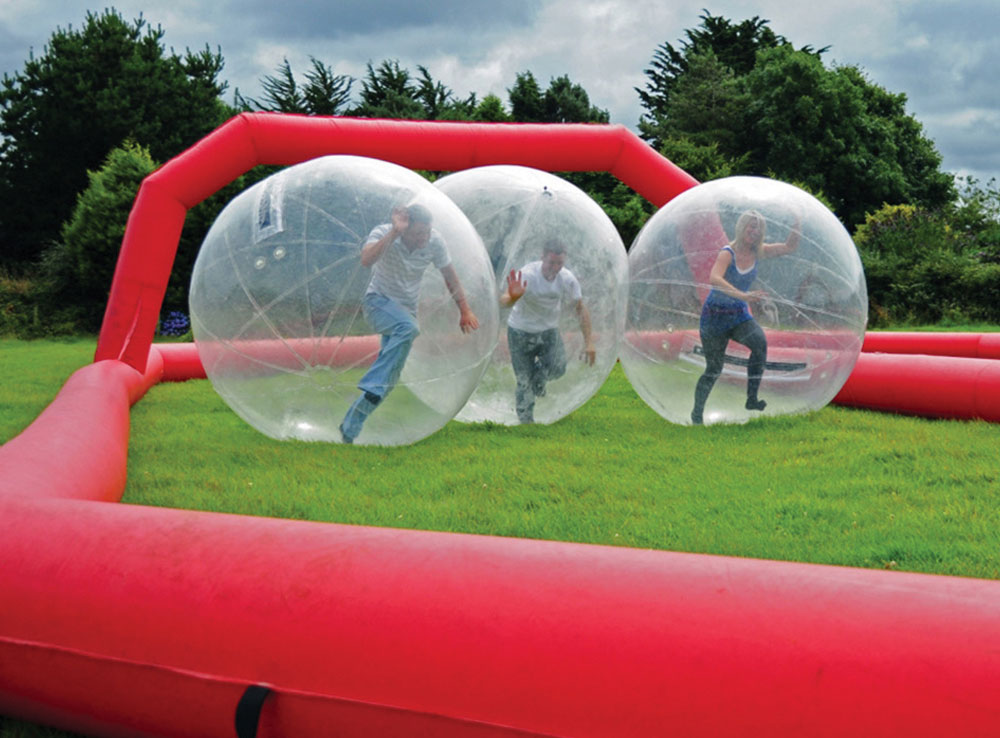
column 536, row 358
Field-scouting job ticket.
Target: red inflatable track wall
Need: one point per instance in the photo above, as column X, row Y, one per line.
column 156, row 620
column 120, row 620
column 249, row 139
column 938, row 375
column 931, row 386
column 968, row 345
column 123, row 620
column 77, row 447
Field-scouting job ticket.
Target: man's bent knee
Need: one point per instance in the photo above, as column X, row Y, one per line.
column 408, row 331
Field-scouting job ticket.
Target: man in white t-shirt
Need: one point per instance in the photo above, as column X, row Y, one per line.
column 398, row 253
column 538, row 293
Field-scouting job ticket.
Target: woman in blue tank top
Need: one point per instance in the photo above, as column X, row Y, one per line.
column 726, row 314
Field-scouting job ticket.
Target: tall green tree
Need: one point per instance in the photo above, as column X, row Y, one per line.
column 841, row 134
column 526, row 102
column 567, row 102
column 323, row 93
column 89, row 91
column 440, row 102
column 491, row 110
column 564, row 101
column 739, row 99
column 388, row 91
column 702, row 127
column 734, row 45
column 326, row 93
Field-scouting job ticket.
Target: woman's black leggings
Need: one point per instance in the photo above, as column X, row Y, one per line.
column 750, row 335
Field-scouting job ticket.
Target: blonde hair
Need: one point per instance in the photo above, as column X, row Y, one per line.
column 744, row 221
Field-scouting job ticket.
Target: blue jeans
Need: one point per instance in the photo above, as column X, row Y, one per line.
column 536, row 358
column 399, row 330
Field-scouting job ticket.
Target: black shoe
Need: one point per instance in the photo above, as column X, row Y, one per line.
column 696, row 418
column 343, row 436
column 755, row 404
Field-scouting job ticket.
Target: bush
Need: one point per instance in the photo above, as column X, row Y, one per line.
column 77, row 271
column 17, row 307
column 22, row 311
column 626, row 209
column 905, row 233
column 980, row 288
column 919, row 268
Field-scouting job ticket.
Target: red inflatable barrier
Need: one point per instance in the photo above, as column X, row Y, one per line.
column 77, row 447
column 932, row 386
column 970, row 345
column 267, row 356
column 249, row 139
column 155, row 621
column 180, row 362
column 121, row 620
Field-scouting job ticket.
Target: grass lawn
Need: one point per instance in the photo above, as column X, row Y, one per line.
column 838, row 486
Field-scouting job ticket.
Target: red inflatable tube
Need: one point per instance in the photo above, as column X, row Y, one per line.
column 970, row 345
column 77, row 447
column 655, row 342
column 157, row 217
column 180, row 362
column 931, row 386
column 156, row 620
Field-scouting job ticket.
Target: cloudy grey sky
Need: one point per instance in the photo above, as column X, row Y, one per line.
column 943, row 54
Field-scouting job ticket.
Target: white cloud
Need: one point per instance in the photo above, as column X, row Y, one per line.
column 943, row 54
column 918, row 42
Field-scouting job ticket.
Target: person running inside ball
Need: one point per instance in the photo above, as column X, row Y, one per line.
column 398, row 253
column 538, row 293
column 725, row 314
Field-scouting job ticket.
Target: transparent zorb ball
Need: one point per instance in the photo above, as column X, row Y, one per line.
column 276, row 304
column 517, row 211
column 813, row 312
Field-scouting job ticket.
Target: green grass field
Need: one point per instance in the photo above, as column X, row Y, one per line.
column 838, row 486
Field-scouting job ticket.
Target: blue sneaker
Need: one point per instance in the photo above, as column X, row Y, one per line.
column 356, row 416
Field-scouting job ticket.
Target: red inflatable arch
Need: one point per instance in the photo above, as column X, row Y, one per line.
column 119, row 620
column 250, row 139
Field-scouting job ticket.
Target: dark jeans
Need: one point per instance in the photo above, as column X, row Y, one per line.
column 750, row 335
column 536, row 358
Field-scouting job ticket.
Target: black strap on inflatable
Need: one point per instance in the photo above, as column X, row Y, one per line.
column 771, row 366
column 248, row 710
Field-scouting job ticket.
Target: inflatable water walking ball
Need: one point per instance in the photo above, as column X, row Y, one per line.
column 522, row 213
column 277, row 303
column 698, row 355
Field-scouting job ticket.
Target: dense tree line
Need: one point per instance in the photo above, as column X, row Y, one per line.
column 739, row 99
column 91, row 90
column 102, row 106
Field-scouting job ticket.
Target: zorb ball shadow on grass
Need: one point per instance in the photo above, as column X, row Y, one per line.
column 276, row 304
column 517, row 211
column 812, row 304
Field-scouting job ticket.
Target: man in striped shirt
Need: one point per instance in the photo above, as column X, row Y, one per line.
column 398, row 253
